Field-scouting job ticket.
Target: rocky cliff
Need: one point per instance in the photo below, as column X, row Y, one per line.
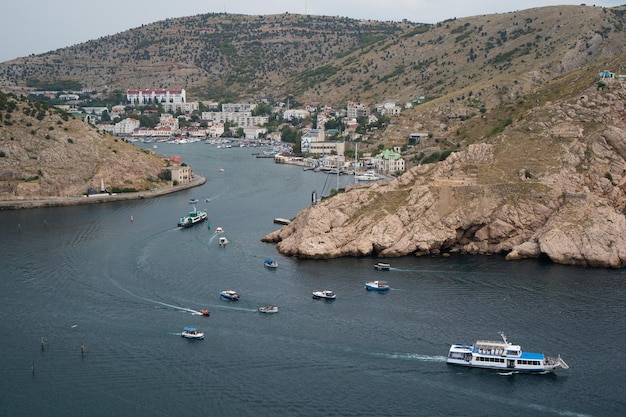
column 550, row 184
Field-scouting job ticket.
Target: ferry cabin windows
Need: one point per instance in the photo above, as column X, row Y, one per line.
column 490, row 359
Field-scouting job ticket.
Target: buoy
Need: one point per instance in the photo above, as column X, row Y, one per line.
column 132, row 219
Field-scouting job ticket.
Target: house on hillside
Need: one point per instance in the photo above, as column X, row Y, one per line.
column 389, row 162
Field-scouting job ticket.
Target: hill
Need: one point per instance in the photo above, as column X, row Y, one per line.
column 333, row 59
column 44, row 152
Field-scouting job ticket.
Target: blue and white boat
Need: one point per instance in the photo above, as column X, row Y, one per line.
column 270, row 263
column 377, row 286
column 193, row 200
column 229, row 295
column 503, row 356
column 192, row 333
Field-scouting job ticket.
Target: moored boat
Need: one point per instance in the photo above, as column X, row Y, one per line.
column 194, row 217
column 270, row 263
column 502, row 356
column 268, row 309
column 367, row 176
column 382, row 266
column 230, row 295
column 192, row 333
column 377, row 286
column 223, row 241
column 325, row 294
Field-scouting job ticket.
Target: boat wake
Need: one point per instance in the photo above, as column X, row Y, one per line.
column 172, row 306
column 411, row 356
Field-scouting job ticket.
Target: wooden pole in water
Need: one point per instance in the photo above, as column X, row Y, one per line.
column 33, row 368
column 42, row 344
column 82, row 350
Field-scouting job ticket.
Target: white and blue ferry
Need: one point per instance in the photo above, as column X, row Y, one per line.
column 503, row 356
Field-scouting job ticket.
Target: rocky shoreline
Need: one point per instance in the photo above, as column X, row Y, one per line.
column 30, row 202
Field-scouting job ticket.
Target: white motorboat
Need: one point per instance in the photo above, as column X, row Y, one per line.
column 230, row 295
column 223, row 241
column 382, row 266
column 503, row 356
column 268, row 309
column 192, row 333
column 325, row 294
column 367, row 176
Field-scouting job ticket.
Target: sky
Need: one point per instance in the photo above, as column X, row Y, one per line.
column 37, row 26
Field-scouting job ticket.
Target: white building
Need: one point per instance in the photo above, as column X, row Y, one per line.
column 126, row 126
column 244, row 118
column 156, row 96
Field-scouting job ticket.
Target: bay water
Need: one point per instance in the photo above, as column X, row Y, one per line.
column 92, row 305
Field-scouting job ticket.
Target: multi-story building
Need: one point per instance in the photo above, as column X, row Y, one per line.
column 243, row 118
column 156, row 96
column 126, row 126
column 356, row 110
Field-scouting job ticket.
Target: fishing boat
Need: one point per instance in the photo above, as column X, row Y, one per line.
column 222, row 241
column 270, row 263
column 268, row 309
column 503, row 356
column 192, row 333
column 325, row 294
column 229, row 295
column 194, row 217
column 382, row 266
column 377, row 286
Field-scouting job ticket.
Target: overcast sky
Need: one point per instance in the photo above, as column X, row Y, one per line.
column 36, row 26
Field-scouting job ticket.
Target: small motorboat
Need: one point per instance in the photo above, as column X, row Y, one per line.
column 325, row 294
column 382, row 266
column 270, row 263
column 268, row 309
column 223, row 241
column 229, row 295
column 193, row 200
column 219, row 230
column 204, row 312
column 192, row 333
column 377, row 286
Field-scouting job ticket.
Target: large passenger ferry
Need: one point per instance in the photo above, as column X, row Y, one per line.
column 502, row 356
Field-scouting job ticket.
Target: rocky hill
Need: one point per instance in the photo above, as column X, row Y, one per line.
column 550, row 184
column 44, row 152
column 334, row 59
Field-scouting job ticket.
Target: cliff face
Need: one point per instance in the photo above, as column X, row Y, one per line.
column 550, row 185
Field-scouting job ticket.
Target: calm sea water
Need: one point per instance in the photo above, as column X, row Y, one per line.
column 109, row 297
